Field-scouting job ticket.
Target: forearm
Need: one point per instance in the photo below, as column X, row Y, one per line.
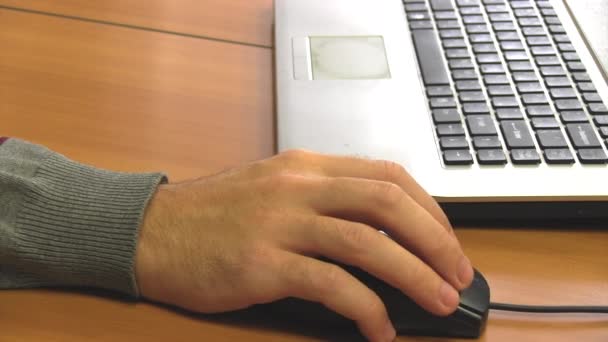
column 63, row 223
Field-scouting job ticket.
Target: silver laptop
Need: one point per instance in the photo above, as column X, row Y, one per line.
column 496, row 107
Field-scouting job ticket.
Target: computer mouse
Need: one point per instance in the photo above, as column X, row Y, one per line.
column 467, row 321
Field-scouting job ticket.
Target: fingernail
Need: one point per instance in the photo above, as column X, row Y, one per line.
column 449, row 296
column 389, row 332
column 465, row 272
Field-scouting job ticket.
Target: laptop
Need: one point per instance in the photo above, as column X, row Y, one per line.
column 496, row 107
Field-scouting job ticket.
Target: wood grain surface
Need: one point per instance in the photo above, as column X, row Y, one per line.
column 244, row 21
column 137, row 100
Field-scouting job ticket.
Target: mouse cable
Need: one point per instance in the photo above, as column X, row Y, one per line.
column 548, row 309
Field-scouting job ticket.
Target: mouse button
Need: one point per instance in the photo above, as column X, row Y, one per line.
column 477, row 296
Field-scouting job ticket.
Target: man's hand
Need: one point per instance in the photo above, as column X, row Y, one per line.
column 254, row 234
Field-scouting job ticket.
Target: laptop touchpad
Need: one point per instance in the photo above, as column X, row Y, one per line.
column 346, row 58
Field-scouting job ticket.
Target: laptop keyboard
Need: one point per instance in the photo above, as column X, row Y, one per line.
column 505, row 84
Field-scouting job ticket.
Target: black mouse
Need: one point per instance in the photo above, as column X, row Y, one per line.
column 408, row 318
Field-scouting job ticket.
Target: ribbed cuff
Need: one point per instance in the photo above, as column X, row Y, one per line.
column 78, row 225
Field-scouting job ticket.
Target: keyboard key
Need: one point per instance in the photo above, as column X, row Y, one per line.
column 457, row 53
column 492, row 69
column 512, row 45
column 442, row 102
column 542, row 50
column 513, row 113
column 561, row 38
column 604, row 132
column 467, row 85
column 464, row 74
column 551, row 138
column 454, row 143
column 462, row 3
column 568, row 105
column 548, row 12
column 497, row 9
column 496, row 79
column 450, row 129
column 481, row 125
column 598, row 109
column 586, row 86
column 521, row 4
column 457, row 157
column 448, row 24
column 576, row 66
column 547, row 60
column 451, row 33
column 497, row 17
column 524, row 76
column 601, row 120
column 442, row 5
column 592, row 156
column 529, row 87
column 534, row 99
column 538, row 40
column 582, row 135
column 445, row 15
column 516, row 134
column 520, row 66
column 591, row 97
column 558, row 156
column 477, row 28
column 523, row 22
column 581, row 77
column 453, row 43
column 421, row 24
column 418, row 16
column 461, row 63
column 484, row 58
column 544, row 123
column 556, row 29
column 500, row 90
column 484, row 142
column 491, row 157
column 507, row 35
column 562, row 93
column 516, row 56
column 470, row 10
column 504, row 101
column 525, row 156
column 475, row 108
column 534, row 31
column 565, row 47
column 433, row 91
column 552, row 71
column 445, row 115
column 484, row 47
column 471, row 96
column 503, row 26
column 480, row 38
column 415, row 7
column 557, row 81
column 543, row 4
column 571, row 57
column 542, row 110
column 524, row 12
column 574, row 116
column 430, row 58
column 473, row 19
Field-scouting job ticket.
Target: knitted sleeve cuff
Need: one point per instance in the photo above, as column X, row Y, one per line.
column 77, row 225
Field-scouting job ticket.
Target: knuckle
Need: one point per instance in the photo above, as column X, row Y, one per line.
column 388, row 194
column 392, row 171
column 330, row 279
column 283, row 181
column 356, row 238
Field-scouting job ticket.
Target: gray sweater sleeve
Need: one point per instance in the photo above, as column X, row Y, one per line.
column 67, row 224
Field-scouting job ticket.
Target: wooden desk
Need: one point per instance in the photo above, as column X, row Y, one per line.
column 139, row 100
